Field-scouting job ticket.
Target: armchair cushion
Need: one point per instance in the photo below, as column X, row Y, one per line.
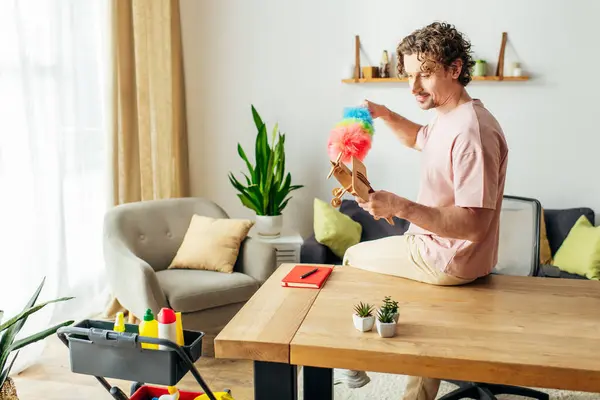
column 196, row 290
column 211, row 244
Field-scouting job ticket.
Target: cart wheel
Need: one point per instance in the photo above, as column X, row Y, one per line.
column 117, row 393
column 134, row 387
column 336, row 192
column 335, row 202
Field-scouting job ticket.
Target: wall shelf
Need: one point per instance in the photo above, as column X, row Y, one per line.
column 499, row 76
column 475, row 78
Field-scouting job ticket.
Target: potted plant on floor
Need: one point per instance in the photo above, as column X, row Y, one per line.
column 391, row 305
column 8, row 332
column 386, row 326
column 267, row 187
column 363, row 317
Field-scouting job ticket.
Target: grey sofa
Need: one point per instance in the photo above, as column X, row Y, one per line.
column 140, row 241
column 558, row 224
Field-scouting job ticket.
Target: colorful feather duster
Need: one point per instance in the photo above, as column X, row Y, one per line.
column 352, row 136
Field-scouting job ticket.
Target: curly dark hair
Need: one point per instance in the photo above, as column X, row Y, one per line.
column 439, row 44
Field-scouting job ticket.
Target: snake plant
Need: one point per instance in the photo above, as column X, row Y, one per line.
column 267, row 187
column 10, row 329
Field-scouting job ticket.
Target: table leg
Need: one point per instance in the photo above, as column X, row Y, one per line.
column 318, row 383
column 275, row 381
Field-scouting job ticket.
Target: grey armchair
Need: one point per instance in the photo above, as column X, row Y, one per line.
column 140, row 241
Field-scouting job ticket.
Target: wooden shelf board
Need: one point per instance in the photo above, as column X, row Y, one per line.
column 475, row 78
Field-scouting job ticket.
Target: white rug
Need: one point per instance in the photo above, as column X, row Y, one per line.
column 391, row 387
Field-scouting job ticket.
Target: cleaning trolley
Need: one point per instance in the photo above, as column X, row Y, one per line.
column 97, row 349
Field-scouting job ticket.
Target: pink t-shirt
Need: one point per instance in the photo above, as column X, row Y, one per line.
column 464, row 157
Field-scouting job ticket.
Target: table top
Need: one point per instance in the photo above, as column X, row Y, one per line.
column 263, row 329
column 527, row 331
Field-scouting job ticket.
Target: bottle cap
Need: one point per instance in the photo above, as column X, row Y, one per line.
column 148, row 316
column 166, row 316
column 119, row 323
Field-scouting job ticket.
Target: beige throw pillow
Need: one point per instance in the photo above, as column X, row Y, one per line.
column 211, row 244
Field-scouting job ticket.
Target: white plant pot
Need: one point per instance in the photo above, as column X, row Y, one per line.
column 363, row 324
column 386, row 329
column 268, row 226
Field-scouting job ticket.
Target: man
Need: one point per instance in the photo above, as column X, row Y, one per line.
column 454, row 224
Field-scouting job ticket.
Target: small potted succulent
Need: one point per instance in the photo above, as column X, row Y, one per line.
column 386, row 326
column 363, row 317
column 391, row 305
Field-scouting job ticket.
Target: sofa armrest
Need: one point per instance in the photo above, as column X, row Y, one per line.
column 313, row 252
column 133, row 281
column 256, row 259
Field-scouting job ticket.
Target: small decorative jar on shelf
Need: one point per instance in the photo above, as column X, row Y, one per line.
column 480, row 68
column 516, row 69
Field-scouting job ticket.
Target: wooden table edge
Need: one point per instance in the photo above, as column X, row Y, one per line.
column 536, row 376
column 239, row 348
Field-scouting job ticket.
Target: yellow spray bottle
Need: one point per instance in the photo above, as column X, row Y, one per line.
column 149, row 327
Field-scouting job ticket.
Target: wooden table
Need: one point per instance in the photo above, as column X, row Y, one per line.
column 525, row 331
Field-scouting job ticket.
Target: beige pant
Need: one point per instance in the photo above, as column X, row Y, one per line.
column 399, row 256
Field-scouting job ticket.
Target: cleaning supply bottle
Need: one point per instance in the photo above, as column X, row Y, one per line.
column 173, row 394
column 119, row 322
column 149, row 327
column 167, row 326
column 179, row 323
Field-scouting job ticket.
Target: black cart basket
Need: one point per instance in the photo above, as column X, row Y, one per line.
column 96, row 349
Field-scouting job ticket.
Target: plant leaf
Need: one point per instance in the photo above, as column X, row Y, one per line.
column 236, row 184
column 248, row 181
column 274, row 134
column 269, row 179
column 263, row 150
column 257, row 120
column 282, row 206
column 248, row 164
column 283, row 190
column 5, row 372
column 37, row 336
column 30, row 311
column 9, row 334
column 246, row 192
column 248, row 203
column 260, row 155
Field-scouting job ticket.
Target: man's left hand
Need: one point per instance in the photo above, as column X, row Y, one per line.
column 382, row 204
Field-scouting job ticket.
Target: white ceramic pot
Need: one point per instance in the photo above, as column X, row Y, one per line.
column 363, row 324
column 268, row 226
column 386, row 330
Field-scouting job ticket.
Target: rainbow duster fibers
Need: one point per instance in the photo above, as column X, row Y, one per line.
column 351, row 136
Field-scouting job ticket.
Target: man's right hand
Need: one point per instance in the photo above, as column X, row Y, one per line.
column 376, row 110
column 403, row 128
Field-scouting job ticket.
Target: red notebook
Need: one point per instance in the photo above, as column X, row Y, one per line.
column 315, row 280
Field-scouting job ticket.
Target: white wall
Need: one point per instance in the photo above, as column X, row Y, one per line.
column 287, row 58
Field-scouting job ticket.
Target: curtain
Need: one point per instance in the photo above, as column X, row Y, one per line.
column 54, row 180
column 150, row 154
column 150, row 140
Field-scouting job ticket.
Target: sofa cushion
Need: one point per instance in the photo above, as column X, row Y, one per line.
column 560, row 221
column 196, row 290
column 580, row 252
column 371, row 228
column 334, row 229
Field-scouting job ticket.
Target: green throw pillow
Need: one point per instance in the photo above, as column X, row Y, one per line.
column 580, row 252
column 334, row 229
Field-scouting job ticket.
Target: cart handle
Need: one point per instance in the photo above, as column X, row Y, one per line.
column 104, row 336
